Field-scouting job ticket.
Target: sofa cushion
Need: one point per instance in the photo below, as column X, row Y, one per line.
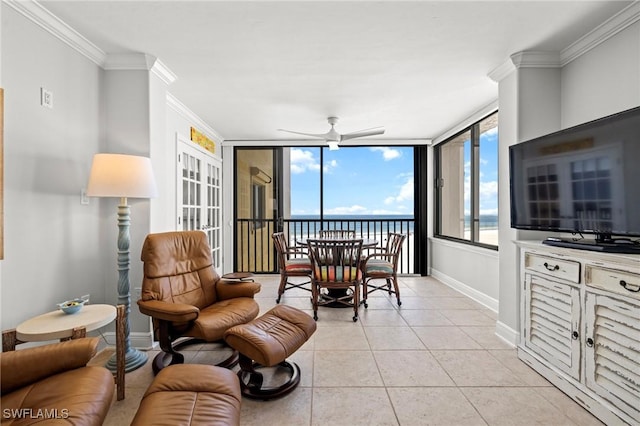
column 81, row 396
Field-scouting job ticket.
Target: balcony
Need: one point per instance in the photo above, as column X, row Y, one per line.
column 255, row 251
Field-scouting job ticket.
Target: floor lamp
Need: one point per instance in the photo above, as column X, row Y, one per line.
column 123, row 176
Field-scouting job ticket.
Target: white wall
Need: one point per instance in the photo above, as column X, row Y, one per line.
column 604, row 81
column 53, row 247
column 535, row 101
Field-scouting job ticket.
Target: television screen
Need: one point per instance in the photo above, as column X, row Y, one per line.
column 585, row 179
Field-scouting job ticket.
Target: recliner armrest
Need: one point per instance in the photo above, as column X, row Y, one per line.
column 232, row 289
column 174, row 312
column 25, row 366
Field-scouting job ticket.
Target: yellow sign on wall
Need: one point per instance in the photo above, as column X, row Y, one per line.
column 202, row 140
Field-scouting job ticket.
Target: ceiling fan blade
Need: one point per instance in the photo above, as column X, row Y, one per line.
column 313, row 135
column 362, row 133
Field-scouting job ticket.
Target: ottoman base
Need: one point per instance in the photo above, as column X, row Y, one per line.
column 165, row 359
column 266, row 342
column 251, row 380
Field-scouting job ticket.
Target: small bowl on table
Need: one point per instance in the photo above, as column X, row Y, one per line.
column 71, row 306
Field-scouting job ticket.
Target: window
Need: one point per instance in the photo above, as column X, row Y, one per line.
column 467, row 184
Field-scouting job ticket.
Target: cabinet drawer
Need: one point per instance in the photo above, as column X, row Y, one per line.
column 564, row 269
column 625, row 283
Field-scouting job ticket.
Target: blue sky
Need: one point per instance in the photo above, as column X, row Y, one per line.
column 376, row 180
column 488, row 172
column 362, row 180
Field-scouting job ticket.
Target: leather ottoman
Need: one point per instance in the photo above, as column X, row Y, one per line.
column 191, row 394
column 266, row 342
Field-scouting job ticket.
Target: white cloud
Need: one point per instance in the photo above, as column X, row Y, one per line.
column 492, row 131
column 329, row 166
column 405, row 193
column 302, row 160
column 489, row 190
column 347, row 210
column 388, row 154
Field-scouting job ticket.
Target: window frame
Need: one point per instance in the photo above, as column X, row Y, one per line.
column 474, row 220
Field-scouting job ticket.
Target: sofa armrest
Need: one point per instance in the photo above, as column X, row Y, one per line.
column 174, row 312
column 25, row 366
column 232, row 289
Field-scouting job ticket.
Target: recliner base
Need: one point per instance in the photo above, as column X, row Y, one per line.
column 164, row 359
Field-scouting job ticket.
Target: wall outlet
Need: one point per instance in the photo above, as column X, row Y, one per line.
column 84, row 200
column 46, row 98
column 138, row 292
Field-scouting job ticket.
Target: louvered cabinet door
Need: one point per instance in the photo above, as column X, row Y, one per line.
column 552, row 324
column 612, row 357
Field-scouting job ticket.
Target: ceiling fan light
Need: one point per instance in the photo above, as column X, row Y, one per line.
column 333, row 146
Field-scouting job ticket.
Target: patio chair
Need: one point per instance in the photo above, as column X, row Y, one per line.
column 292, row 262
column 336, row 268
column 381, row 263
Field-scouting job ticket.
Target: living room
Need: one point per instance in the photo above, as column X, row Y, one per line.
column 56, row 248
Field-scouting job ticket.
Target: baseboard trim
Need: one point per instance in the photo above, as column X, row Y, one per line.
column 507, row 334
column 470, row 292
column 138, row 340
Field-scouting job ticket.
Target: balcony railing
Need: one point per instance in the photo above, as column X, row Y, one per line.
column 255, row 251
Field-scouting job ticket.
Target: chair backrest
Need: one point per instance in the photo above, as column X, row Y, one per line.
column 337, row 233
column 335, row 261
column 282, row 247
column 178, row 268
column 394, row 246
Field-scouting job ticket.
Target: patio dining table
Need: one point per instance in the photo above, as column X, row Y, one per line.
column 366, row 242
column 337, row 293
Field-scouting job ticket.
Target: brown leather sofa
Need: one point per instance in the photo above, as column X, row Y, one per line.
column 191, row 394
column 54, row 382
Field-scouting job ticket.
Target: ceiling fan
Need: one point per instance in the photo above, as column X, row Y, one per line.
column 334, row 138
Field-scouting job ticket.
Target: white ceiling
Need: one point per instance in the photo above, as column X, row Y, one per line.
column 249, row 68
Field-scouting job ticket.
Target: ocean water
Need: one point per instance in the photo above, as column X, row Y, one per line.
column 307, row 225
column 374, row 223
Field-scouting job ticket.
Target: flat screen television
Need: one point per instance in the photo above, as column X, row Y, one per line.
column 583, row 180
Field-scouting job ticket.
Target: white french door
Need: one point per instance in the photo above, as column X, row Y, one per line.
column 199, row 195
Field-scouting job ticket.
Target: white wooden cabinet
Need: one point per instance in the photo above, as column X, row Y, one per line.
column 580, row 326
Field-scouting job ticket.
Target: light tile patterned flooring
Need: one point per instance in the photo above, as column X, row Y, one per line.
column 433, row 361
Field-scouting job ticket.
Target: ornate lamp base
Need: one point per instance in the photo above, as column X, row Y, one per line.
column 133, row 359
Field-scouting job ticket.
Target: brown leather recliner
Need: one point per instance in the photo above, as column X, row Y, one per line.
column 49, row 382
column 184, row 295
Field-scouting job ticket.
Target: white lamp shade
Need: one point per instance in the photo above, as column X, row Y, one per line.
column 118, row 175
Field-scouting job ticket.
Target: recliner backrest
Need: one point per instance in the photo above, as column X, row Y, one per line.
column 178, row 268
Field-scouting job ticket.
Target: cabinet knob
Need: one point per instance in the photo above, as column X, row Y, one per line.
column 551, row 267
column 590, row 342
column 626, row 285
column 575, row 335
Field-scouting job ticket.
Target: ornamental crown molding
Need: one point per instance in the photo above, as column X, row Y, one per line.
column 41, row 16
column 606, row 30
column 536, row 59
column 528, row 59
column 539, row 59
column 502, row 71
column 192, row 118
column 139, row 61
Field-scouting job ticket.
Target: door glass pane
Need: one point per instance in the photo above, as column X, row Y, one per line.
column 256, row 209
column 488, row 195
column 304, row 166
column 455, row 187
